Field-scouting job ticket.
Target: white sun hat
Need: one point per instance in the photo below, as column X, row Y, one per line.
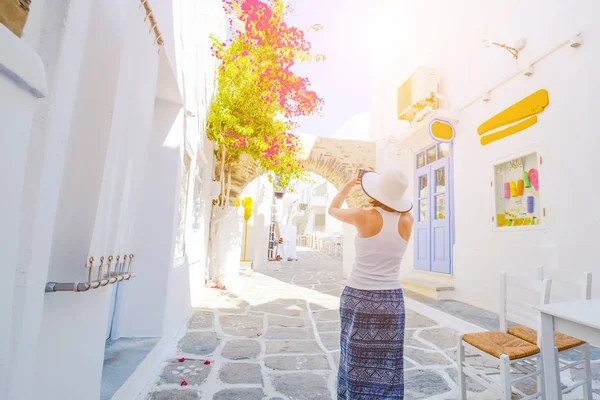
column 388, row 188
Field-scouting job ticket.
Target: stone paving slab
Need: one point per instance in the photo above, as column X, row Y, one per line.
column 414, row 320
column 302, row 386
column 326, row 315
column 336, row 359
column 426, row 358
column 291, row 347
column 241, row 350
column 199, row 343
column 296, row 363
column 201, row 320
column 421, row 384
column 240, row 394
column 241, row 373
column 443, row 338
column 287, row 322
column 175, row 394
column 244, row 326
column 331, row 341
column 289, row 310
column 329, row 326
column 192, row 371
column 281, row 333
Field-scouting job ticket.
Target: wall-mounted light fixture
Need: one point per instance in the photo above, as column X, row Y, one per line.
column 514, row 50
column 576, row 41
column 529, row 71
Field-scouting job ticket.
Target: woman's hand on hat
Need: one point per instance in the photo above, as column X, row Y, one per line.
column 354, row 182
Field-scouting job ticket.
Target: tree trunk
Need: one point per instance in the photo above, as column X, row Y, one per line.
column 222, row 198
column 228, row 187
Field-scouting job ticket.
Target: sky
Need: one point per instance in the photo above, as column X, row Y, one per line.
column 343, row 79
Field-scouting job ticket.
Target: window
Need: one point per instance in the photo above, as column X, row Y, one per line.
column 517, row 192
column 181, row 211
column 421, row 160
column 432, row 154
column 320, row 219
column 443, row 150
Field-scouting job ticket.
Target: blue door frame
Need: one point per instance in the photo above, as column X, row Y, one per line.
column 434, row 222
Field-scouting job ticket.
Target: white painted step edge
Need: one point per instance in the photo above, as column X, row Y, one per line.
column 442, row 317
column 438, row 287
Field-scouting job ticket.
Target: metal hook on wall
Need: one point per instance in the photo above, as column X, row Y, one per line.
column 116, row 271
column 103, row 282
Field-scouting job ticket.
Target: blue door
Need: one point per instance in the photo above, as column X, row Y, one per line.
column 440, row 225
column 422, row 224
column 432, row 226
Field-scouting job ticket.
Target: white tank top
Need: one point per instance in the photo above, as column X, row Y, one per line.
column 378, row 258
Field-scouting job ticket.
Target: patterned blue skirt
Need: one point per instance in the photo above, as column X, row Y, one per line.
column 371, row 345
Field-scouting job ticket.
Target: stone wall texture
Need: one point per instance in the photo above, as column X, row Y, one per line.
column 336, row 160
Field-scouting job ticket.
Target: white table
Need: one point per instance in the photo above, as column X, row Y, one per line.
column 580, row 319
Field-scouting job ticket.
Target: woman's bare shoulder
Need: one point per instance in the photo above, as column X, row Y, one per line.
column 407, row 216
column 406, row 219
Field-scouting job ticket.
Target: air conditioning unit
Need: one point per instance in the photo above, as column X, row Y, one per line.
column 417, row 93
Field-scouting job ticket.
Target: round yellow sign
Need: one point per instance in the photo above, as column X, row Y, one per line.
column 442, row 131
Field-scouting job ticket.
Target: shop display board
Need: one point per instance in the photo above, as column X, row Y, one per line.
column 517, row 192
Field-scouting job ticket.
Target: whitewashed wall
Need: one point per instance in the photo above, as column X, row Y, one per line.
column 565, row 134
column 99, row 173
column 59, row 37
column 94, row 215
column 261, row 191
column 22, row 84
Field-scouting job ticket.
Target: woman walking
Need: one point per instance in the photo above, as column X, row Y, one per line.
column 372, row 304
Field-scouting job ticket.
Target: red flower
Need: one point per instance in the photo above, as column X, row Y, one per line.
column 206, row 362
column 184, row 383
column 181, row 359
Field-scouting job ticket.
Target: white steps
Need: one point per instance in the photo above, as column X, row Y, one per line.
column 435, row 286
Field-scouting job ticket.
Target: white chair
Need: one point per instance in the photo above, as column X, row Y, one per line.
column 502, row 349
column 566, row 288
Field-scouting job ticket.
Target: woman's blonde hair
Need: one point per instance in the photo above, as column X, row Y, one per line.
column 375, row 203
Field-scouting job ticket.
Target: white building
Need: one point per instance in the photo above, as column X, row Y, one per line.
column 102, row 107
column 462, row 245
column 307, row 207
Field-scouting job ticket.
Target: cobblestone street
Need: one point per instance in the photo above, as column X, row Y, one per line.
column 276, row 337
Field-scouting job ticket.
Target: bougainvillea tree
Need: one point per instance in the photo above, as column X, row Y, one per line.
column 258, row 94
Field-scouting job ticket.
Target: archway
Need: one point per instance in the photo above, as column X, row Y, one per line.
column 336, row 160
